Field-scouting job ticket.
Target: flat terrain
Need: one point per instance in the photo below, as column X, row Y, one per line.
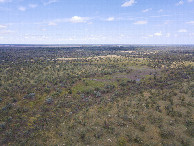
column 102, row 95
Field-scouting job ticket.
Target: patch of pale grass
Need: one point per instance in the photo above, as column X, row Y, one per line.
column 97, row 57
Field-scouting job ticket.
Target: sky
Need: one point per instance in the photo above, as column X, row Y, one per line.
column 96, row 21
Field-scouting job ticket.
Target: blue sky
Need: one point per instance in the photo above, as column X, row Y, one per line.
column 96, row 21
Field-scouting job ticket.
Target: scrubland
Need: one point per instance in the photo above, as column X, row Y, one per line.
column 96, row 96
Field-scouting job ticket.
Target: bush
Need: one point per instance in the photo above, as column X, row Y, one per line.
column 30, row 96
column 122, row 141
column 167, row 134
column 2, row 126
column 97, row 94
column 190, row 131
column 49, row 100
column 138, row 139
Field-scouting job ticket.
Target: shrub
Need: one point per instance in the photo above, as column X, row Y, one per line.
column 49, row 100
column 190, row 131
column 30, row 96
column 167, row 134
column 138, row 139
column 97, row 94
column 122, row 141
column 2, row 126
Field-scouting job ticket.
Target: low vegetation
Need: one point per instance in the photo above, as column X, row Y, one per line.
column 105, row 95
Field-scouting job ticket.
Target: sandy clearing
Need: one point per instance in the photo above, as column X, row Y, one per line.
column 128, row 51
column 97, row 57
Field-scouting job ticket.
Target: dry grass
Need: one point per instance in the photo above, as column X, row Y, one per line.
column 88, row 58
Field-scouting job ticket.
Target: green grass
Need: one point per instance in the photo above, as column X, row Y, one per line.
column 86, row 85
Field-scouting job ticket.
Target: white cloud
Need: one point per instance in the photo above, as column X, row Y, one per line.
column 6, row 31
column 146, row 10
column 74, row 19
column 52, row 24
column 128, row 3
column 158, row 34
column 190, row 1
column 34, row 36
column 160, row 16
column 140, row 22
column 190, row 22
column 182, row 30
column 50, row 2
column 21, row 8
column 168, row 35
column 3, row 26
column 77, row 19
column 3, row 1
column 110, row 19
column 151, row 35
column 33, row 5
column 43, row 29
column 180, row 3
column 161, row 10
